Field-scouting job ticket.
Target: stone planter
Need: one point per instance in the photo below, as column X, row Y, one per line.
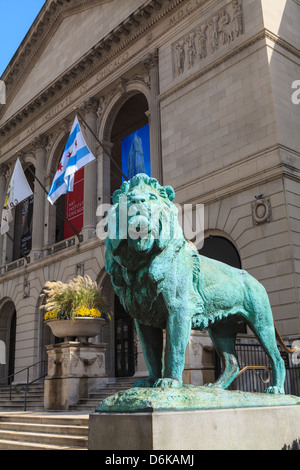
column 74, row 371
column 81, row 328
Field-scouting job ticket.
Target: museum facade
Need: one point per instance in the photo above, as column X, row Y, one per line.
column 206, row 88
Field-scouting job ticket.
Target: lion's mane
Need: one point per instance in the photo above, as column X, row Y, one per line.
column 130, row 272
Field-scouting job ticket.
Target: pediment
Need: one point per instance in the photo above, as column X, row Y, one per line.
column 60, row 36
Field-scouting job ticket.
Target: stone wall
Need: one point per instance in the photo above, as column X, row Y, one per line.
column 217, row 76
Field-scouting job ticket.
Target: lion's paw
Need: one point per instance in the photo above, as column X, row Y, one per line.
column 167, row 383
column 144, row 383
column 273, row 390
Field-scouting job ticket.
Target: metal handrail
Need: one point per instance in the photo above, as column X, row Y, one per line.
column 26, row 386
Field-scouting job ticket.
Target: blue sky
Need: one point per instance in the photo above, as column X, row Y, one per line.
column 16, row 17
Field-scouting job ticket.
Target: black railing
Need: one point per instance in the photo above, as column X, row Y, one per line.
column 24, row 387
column 257, row 377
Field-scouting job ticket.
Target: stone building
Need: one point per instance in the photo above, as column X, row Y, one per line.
column 213, row 80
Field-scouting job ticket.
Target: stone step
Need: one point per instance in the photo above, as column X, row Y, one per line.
column 45, row 438
column 18, row 445
column 34, row 397
column 121, row 384
column 56, row 418
column 44, row 428
column 20, row 407
column 34, row 431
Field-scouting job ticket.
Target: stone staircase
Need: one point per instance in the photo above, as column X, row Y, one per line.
column 43, row 431
column 34, row 401
column 92, row 401
column 37, row 429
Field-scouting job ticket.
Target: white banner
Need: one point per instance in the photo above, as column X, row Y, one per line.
column 18, row 190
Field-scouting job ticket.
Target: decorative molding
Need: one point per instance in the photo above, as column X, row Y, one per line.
column 232, row 53
column 151, row 60
column 36, row 40
column 46, row 24
column 122, row 89
column 105, row 55
column 80, row 269
column 4, row 170
column 90, row 105
column 275, row 172
column 220, row 29
column 261, row 211
column 26, row 286
column 40, row 142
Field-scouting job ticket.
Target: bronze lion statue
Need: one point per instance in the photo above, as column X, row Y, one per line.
column 163, row 283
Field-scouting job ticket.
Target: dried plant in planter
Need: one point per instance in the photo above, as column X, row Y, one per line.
column 79, row 298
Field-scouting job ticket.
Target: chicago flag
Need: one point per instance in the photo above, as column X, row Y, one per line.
column 18, row 190
column 75, row 156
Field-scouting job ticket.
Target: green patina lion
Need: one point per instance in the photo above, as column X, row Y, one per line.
column 163, row 283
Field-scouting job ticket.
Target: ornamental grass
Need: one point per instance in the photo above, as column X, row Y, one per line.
column 79, row 298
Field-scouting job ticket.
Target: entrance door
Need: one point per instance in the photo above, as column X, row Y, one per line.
column 124, row 342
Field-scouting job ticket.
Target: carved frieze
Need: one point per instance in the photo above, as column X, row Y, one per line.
column 222, row 28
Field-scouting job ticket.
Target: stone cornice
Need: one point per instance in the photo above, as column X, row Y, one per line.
column 280, row 169
column 108, row 49
column 44, row 26
column 128, row 31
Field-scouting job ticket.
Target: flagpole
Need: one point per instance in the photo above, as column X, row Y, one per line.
column 80, row 237
column 100, row 143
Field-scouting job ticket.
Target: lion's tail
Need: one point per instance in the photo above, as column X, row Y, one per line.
column 281, row 342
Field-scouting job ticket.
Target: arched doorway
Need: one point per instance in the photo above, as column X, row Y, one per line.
column 8, row 324
column 127, row 130
column 221, row 249
column 130, row 129
column 124, row 342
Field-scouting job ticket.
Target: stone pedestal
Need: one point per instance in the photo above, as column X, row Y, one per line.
column 195, row 418
column 272, row 428
column 74, row 370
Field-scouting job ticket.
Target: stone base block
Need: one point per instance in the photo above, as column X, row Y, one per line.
column 262, row 428
column 74, row 370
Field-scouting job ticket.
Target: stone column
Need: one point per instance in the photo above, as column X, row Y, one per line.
column 89, row 109
column 40, row 144
column 3, row 173
column 151, row 65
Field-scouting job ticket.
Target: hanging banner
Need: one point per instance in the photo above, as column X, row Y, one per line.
column 26, row 226
column 74, row 205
